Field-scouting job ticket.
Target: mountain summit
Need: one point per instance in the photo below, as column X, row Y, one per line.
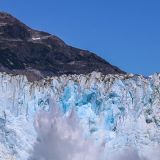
column 38, row 54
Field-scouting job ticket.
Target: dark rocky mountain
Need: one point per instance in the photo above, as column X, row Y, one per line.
column 39, row 54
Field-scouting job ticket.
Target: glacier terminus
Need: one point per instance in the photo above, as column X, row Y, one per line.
column 116, row 111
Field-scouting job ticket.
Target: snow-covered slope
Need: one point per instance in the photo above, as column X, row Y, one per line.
column 117, row 111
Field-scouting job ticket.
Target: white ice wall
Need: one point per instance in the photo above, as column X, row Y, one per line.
column 118, row 110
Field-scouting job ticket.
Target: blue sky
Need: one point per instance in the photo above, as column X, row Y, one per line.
column 124, row 32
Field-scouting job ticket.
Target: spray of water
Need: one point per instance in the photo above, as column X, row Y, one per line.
column 62, row 138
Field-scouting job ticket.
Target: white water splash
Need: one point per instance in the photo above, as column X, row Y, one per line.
column 61, row 138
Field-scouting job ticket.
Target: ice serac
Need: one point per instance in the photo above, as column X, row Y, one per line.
column 116, row 110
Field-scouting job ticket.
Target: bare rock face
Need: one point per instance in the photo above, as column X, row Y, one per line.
column 38, row 54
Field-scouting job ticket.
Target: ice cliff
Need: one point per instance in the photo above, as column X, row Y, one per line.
column 117, row 111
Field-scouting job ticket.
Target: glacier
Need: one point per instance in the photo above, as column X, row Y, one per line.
column 116, row 111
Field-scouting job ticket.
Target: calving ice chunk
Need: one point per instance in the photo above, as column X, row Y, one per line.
column 119, row 113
